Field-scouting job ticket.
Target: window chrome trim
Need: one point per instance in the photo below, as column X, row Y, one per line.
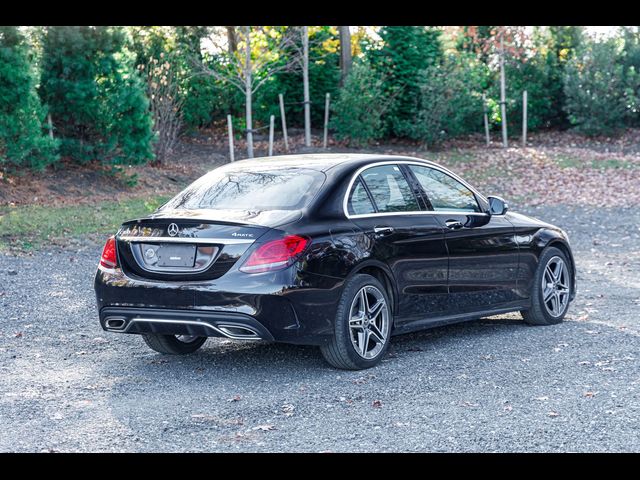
column 345, row 201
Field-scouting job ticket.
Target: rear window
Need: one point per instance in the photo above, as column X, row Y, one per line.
column 255, row 189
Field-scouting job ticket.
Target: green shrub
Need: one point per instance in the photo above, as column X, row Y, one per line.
column 357, row 114
column 450, row 99
column 95, row 96
column 404, row 54
column 598, row 97
column 22, row 140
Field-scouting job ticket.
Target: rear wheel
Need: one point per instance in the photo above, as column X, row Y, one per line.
column 173, row 344
column 362, row 325
column 551, row 289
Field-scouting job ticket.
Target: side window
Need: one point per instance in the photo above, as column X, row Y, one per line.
column 389, row 189
column 359, row 201
column 445, row 192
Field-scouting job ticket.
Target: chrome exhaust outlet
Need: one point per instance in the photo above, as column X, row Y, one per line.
column 239, row 332
column 114, row 323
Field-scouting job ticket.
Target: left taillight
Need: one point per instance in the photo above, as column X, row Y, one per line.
column 275, row 255
column 109, row 258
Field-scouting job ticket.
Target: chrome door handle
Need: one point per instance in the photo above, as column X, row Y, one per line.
column 382, row 230
column 453, row 224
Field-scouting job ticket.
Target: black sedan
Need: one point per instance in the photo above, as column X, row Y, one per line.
column 341, row 251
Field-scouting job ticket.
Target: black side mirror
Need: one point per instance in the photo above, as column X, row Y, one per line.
column 497, row 206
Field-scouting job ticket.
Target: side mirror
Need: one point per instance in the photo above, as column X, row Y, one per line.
column 497, row 206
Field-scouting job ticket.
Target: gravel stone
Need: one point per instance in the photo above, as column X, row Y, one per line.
column 484, row 386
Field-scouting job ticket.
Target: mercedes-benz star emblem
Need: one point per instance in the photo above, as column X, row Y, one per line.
column 173, row 230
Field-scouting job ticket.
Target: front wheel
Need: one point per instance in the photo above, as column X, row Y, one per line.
column 551, row 290
column 173, row 344
column 362, row 325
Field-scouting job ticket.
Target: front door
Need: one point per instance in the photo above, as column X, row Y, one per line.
column 385, row 206
column 483, row 253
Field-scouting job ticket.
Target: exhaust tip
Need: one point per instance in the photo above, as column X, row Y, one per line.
column 114, row 323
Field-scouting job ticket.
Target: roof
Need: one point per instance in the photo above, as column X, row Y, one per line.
column 320, row 161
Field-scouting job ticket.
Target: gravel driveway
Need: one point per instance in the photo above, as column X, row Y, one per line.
column 490, row 385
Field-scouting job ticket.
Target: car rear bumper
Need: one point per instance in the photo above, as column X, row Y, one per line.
column 288, row 306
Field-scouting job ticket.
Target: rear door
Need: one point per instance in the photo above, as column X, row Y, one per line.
column 483, row 253
column 388, row 209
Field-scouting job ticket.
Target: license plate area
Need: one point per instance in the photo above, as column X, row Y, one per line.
column 182, row 256
column 174, row 258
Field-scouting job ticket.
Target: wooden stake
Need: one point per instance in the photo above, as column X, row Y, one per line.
column 524, row 118
column 284, row 122
column 50, row 124
column 305, row 86
column 486, row 118
column 248, row 91
column 326, row 120
column 230, row 129
column 272, row 120
column 503, row 99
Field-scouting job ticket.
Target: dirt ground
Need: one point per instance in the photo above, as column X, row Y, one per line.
column 554, row 168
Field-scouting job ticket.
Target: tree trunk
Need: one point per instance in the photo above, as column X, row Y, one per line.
column 305, row 82
column 232, row 40
column 345, row 53
column 248, row 84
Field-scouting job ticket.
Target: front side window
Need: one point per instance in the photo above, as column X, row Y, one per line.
column 255, row 189
column 389, row 189
column 444, row 191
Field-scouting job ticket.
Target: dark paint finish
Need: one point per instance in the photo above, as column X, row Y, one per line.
column 434, row 274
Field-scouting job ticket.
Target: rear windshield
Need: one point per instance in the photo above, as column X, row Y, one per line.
column 288, row 188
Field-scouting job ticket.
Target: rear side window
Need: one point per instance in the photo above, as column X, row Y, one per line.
column 256, row 189
column 444, row 191
column 389, row 189
column 359, row 200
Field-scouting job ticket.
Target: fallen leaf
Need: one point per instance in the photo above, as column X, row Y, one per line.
column 376, row 404
column 18, row 334
column 236, row 398
column 589, row 394
column 264, row 428
column 553, row 414
column 288, row 409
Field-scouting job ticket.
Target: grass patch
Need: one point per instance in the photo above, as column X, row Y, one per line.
column 572, row 162
column 31, row 226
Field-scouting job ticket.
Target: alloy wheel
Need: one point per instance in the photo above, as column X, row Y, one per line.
column 555, row 287
column 369, row 322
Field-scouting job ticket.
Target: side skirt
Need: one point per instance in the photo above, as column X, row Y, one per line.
column 432, row 322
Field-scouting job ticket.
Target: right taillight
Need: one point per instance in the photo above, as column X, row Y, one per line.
column 275, row 254
column 109, row 258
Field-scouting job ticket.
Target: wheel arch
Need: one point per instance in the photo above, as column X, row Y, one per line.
column 560, row 242
column 383, row 273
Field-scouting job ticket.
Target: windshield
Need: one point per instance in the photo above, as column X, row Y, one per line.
column 289, row 188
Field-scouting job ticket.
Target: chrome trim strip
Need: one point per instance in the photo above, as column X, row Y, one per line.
column 193, row 322
column 226, row 241
column 424, row 163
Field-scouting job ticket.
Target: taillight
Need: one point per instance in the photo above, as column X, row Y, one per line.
column 109, row 258
column 275, row 254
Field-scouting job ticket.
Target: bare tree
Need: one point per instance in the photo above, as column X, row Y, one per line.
column 232, row 40
column 165, row 104
column 250, row 67
column 345, row 53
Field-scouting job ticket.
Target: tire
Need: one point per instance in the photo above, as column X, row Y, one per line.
column 541, row 312
column 345, row 350
column 171, row 344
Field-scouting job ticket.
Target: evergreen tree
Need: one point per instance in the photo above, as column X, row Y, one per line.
column 95, row 96
column 22, row 140
column 405, row 52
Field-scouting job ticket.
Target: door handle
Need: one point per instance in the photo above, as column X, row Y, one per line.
column 453, row 224
column 382, row 230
